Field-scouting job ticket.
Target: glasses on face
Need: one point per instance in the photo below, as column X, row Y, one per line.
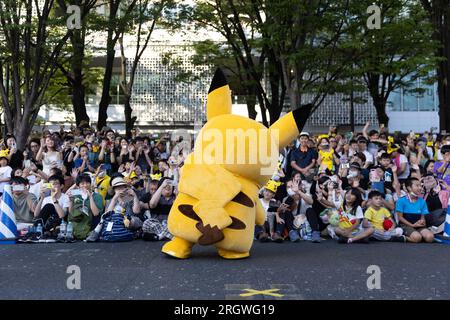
column 331, row 141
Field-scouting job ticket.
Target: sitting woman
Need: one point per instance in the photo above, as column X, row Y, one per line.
column 84, row 205
column 436, row 197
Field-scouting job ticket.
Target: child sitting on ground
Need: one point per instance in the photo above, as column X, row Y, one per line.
column 350, row 217
column 380, row 219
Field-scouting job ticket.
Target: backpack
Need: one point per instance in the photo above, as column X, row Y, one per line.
column 118, row 232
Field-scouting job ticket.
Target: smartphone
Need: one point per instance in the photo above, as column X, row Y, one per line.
column 48, row 186
column 289, row 201
column 345, row 165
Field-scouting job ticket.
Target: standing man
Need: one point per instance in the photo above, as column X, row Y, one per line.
column 304, row 158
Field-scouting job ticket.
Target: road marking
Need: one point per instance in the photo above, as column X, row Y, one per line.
column 268, row 292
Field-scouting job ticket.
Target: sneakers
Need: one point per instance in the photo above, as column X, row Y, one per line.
column 342, row 239
column 263, row 237
column 277, row 238
column 34, row 238
column 316, row 237
column 47, row 237
column 294, row 236
column 93, row 236
column 26, row 237
column 398, row 239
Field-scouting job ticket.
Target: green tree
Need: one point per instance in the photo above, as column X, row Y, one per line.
column 395, row 55
column 32, row 41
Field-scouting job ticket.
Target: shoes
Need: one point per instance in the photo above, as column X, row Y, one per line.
column 47, row 237
column 263, row 237
column 93, row 236
column 294, row 236
column 277, row 238
column 363, row 240
column 398, row 239
column 316, row 237
column 26, row 237
column 70, row 239
column 34, row 238
column 342, row 239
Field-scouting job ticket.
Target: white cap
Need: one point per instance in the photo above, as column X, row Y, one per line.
column 304, row 133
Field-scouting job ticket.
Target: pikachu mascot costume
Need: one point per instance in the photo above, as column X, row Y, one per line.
column 219, row 182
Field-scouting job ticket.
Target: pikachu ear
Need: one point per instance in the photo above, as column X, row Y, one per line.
column 219, row 96
column 290, row 125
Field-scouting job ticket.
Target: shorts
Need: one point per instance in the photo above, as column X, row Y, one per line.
column 407, row 230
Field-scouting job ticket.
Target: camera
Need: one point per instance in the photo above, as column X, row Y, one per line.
column 273, row 205
column 345, row 165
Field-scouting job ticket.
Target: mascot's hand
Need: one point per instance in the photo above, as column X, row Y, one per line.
column 213, row 214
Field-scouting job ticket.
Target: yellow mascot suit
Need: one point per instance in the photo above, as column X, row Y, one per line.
column 219, row 182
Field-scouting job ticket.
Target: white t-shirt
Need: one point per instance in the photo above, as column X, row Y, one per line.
column 5, row 172
column 36, row 188
column 63, row 201
column 405, row 173
column 369, row 156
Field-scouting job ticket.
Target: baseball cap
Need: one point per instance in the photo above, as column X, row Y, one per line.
column 304, row 133
column 362, row 139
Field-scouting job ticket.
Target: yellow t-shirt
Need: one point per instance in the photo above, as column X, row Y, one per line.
column 376, row 217
column 327, row 158
column 103, row 186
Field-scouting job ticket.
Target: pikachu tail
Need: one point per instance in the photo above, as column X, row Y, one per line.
column 219, row 96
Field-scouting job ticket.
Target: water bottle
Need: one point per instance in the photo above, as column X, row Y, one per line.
column 303, row 233
column 62, row 228
column 39, row 229
column 69, row 230
column 308, row 232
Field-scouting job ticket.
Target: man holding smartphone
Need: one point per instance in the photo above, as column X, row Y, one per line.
column 24, row 202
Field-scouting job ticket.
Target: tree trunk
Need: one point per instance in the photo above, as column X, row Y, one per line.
column 129, row 120
column 380, row 107
column 251, row 103
column 443, row 73
column 78, row 89
column 439, row 14
column 22, row 132
column 106, row 98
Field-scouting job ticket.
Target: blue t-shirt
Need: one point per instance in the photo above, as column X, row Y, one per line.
column 411, row 210
column 304, row 159
column 78, row 162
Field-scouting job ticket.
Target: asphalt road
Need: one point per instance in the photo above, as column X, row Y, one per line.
column 138, row 270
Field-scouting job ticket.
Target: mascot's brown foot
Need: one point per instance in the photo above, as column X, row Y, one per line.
column 178, row 248
column 209, row 235
column 232, row 255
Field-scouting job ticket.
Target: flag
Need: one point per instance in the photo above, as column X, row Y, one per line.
column 8, row 226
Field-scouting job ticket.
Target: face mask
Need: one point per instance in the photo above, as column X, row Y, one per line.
column 290, row 192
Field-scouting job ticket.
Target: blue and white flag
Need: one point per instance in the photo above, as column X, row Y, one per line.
column 8, row 226
column 447, row 225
